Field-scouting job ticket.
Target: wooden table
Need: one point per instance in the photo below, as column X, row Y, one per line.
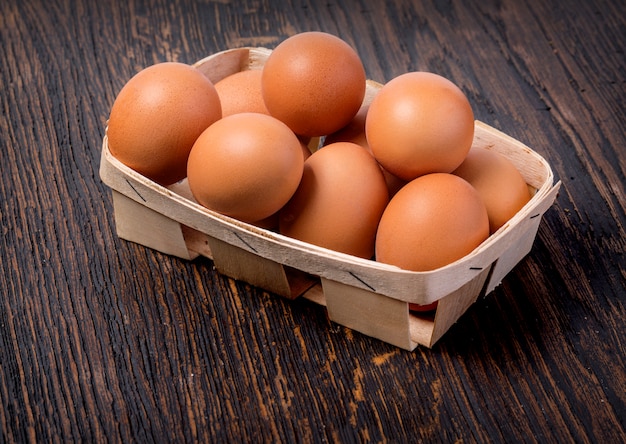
column 106, row 340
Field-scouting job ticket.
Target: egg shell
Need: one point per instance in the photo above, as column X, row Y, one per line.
column 241, row 92
column 246, row 166
column 419, row 123
column 499, row 183
column 339, row 202
column 354, row 132
column 431, row 222
column 158, row 115
column 314, row 82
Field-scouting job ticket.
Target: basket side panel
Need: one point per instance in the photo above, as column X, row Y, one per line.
column 242, row 265
column 369, row 313
column 533, row 168
column 229, row 62
column 138, row 223
column 221, row 65
column 523, row 238
column 451, row 307
column 512, row 257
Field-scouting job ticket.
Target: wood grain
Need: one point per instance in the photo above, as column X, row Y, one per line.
column 105, row 340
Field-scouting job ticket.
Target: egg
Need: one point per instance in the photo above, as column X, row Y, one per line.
column 339, row 201
column 499, row 183
column 354, row 132
column 157, row 116
column 314, row 82
column 419, row 123
column 241, row 92
column 246, row 165
column 431, row 222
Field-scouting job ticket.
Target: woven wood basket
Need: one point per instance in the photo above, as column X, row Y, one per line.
column 364, row 295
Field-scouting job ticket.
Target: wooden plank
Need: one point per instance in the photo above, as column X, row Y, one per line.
column 451, row 307
column 137, row 223
column 370, row 313
column 246, row 266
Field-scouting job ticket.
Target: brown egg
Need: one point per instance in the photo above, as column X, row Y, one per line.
column 314, row 82
column 499, row 183
column 157, row 116
column 339, row 201
column 246, row 165
column 431, row 222
column 241, row 92
column 419, row 123
column 354, row 132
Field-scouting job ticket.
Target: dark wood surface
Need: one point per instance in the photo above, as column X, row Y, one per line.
column 105, row 340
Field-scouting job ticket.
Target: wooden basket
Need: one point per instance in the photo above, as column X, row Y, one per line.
column 370, row 297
